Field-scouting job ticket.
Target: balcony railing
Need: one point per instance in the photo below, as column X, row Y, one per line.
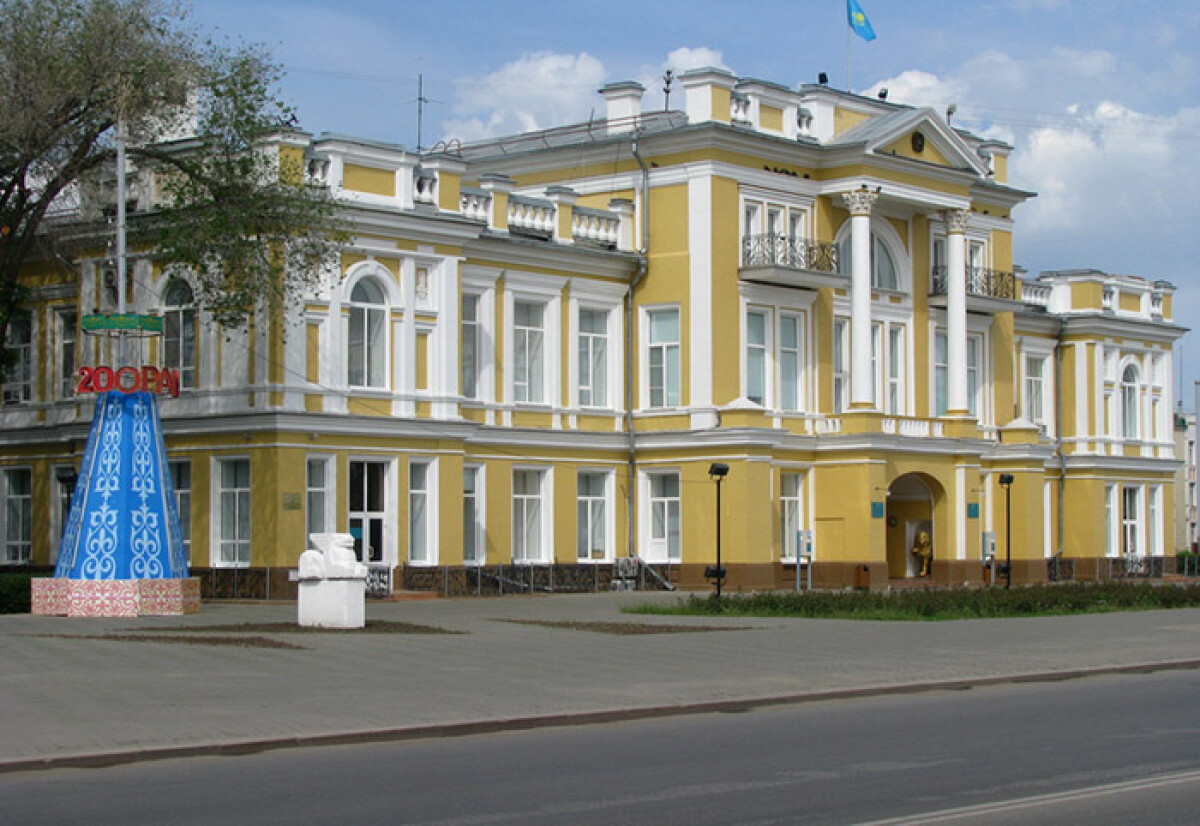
column 788, row 252
column 982, row 282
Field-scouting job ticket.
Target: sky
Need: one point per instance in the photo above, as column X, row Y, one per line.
column 1100, row 99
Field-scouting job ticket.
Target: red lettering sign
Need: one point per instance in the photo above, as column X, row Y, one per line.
column 128, row 380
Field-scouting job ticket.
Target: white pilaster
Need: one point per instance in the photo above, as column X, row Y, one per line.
column 957, row 403
column 860, row 203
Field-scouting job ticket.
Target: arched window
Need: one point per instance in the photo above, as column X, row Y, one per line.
column 179, row 331
column 1129, row 402
column 367, row 342
column 883, row 265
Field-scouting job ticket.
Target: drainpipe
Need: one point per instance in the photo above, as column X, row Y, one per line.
column 1058, row 445
column 643, row 249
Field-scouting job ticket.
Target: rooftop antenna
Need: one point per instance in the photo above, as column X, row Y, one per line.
column 420, row 108
column 668, row 76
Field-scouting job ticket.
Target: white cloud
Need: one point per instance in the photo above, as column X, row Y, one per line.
column 684, row 59
column 537, row 91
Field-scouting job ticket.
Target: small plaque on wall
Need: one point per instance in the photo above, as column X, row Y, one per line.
column 291, row 501
column 877, row 510
column 972, row 510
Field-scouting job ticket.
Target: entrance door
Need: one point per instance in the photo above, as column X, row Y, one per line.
column 367, row 509
column 909, row 511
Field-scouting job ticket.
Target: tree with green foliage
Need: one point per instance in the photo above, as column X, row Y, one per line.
column 236, row 216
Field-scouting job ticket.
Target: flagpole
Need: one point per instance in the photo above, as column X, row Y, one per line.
column 849, row 82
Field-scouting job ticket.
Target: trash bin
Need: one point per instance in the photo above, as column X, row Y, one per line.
column 862, row 577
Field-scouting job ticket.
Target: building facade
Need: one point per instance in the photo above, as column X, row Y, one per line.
column 535, row 348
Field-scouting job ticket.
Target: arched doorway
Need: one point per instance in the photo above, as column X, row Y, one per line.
column 909, row 511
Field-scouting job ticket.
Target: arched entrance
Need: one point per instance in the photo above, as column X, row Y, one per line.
column 909, row 511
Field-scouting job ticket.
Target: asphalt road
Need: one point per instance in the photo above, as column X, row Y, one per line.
column 1100, row 750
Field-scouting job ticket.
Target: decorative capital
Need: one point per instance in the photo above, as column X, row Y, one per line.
column 956, row 221
column 860, row 201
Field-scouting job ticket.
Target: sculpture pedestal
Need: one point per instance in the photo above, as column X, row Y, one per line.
column 332, row 603
column 115, row 597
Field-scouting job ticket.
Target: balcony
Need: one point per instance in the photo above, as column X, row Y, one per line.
column 988, row 290
column 790, row 261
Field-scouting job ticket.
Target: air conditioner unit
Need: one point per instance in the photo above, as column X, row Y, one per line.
column 627, row 567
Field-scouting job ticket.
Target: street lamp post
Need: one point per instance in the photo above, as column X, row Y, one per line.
column 717, row 471
column 1006, row 481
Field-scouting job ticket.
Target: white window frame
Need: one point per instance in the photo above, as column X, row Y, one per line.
column 758, row 361
column 1132, row 521
column 240, row 545
column 798, row 352
column 659, row 548
column 183, row 502
column 470, row 346
column 593, row 389
column 586, row 516
column 840, row 365
column 791, row 513
column 1130, row 395
column 889, row 366
column 179, row 352
column 978, row 385
column 66, row 350
column 539, row 501
column 474, row 518
column 423, row 503
column 18, row 537
column 481, row 283
column 376, row 356
column 322, row 497
column 547, row 292
column 387, row 516
column 671, row 360
column 18, row 384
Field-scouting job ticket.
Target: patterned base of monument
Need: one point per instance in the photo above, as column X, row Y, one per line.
column 122, row 551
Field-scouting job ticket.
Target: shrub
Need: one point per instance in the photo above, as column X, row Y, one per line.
column 14, row 592
column 1034, row 600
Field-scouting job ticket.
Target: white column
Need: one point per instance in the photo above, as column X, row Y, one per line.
column 957, row 403
column 859, row 203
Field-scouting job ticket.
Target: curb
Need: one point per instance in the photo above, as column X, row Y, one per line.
column 584, row 718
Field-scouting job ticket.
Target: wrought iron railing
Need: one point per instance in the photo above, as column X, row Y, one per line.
column 789, row 252
column 983, row 282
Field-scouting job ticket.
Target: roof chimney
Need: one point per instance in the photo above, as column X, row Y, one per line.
column 624, row 101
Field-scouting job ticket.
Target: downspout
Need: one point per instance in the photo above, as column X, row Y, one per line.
column 643, row 249
column 1058, row 445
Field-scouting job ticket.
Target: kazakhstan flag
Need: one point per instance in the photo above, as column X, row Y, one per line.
column 858, row 20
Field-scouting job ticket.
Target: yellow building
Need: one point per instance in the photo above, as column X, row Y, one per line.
column 538, row 346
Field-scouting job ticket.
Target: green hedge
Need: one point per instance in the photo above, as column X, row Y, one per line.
column 14, row 592
column 1037, row 600
column 1187, row 564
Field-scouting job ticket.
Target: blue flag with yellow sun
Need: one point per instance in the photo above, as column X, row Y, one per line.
column 858, row 20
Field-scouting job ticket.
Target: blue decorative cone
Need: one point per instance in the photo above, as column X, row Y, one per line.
column 123, row 523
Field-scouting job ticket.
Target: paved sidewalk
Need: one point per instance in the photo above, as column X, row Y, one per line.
column 69, row 698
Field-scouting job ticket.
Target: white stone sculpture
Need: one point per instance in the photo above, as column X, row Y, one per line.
column 332, row 584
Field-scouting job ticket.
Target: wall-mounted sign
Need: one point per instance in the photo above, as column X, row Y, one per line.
column 128, row 380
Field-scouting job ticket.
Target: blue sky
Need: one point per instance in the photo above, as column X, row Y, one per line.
column 1100, row 98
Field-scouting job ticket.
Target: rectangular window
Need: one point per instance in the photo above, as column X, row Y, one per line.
column 469, row 346
column 894, row 391
column 367, row 509
column 527, row 515
column 1131, row 507
column 66, row 356
column 18, row 515
column 790, row 362
column 179, row 343
column 528, row 340
column 1111, row 528
column 941, row 373
column 841, row 367
column 318, row 482
column 791, row 508
column 1154, row 531
column 974, row 348
column 233, row 548
column 1035, row 382
column 181, row 481
column 592, row 524
column 472, row 516
column 757, row 325
column 593, row 358
column 18, row 385
column 665, row 523
column 664, row 358
column 418, row 512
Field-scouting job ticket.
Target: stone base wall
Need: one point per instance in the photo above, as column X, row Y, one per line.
column 114, row 597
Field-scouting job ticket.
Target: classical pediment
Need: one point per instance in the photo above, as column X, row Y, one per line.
column 917, row 134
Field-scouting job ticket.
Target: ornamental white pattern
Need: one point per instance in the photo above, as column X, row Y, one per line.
column 100, row 541
column 144, row 539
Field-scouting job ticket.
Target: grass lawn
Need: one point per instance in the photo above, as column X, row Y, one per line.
column 982, row 603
